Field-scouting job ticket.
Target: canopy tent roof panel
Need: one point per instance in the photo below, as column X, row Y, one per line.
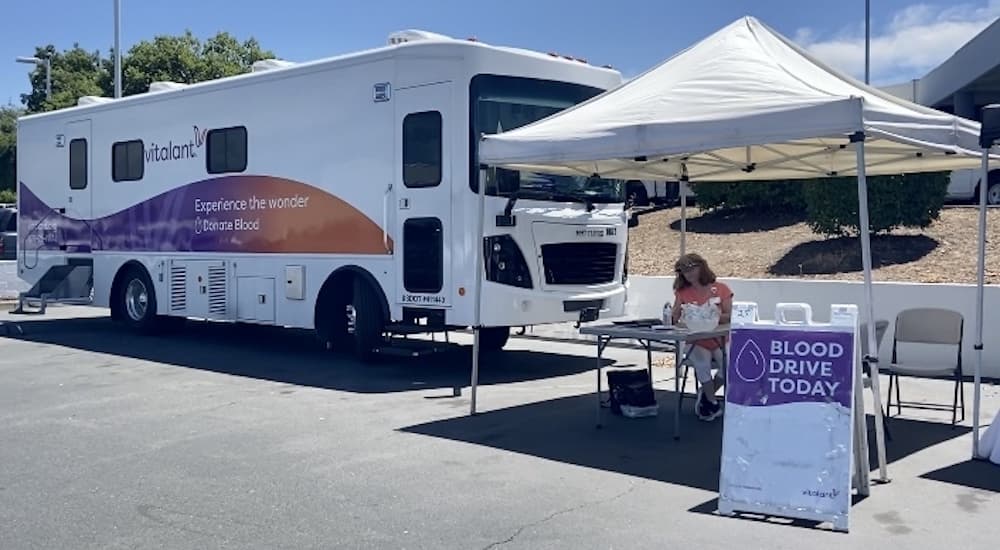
column 799, row 159
column 743, row 104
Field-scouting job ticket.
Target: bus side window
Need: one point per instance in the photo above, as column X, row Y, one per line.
column 227, row 150
column 127, row 161
column 78, row 164
column 422, row 149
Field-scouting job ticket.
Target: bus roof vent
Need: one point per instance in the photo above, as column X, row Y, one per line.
column 92, row 100
column 164, row 86
column 270, row 64
column 414, row 35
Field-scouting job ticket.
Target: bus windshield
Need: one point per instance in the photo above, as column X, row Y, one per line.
column 501, row 103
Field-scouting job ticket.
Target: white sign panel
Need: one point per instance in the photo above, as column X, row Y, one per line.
column 788, row 430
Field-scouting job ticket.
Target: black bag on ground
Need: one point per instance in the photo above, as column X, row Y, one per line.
column 631, row 393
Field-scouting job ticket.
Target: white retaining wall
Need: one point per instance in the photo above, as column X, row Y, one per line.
column 647, row 295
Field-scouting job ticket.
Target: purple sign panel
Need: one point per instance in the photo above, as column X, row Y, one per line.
column 769, row 367
column 245, row 213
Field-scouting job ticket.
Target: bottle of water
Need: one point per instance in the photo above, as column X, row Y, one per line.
column 668, row 314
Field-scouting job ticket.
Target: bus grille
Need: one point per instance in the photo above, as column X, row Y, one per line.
column 579, row 263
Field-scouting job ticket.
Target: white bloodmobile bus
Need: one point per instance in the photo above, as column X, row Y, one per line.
column 338, row 195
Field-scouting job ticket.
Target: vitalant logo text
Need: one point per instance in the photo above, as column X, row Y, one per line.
column 829, row 493
column 158, row 152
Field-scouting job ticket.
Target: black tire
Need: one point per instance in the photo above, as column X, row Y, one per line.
column 136, row 301
column 637, row 190
column 369, row 321
column 332, row 326
column 493, row 338
column 992, row 193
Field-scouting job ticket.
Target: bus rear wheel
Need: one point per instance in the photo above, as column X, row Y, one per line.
column 136, row 301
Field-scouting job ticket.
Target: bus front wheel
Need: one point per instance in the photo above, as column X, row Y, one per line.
column 368, row 320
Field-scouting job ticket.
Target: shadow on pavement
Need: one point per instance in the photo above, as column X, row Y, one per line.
column 974, row 474
column 843, row 255
column 910, row 437
column 294, row 356
column 725, row 222
column 564, row 430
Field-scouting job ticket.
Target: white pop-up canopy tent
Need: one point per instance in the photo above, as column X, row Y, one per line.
column 747, row 104
column 743, row 104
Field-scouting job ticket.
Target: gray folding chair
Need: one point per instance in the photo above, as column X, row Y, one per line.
column 928, row 326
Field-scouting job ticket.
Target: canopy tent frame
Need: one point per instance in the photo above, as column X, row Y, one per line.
column 988, row 135
column 856, row 139
column 672, row 167
column 980, row 284
column 869, row 310
column 861, row 148
column 747, row 93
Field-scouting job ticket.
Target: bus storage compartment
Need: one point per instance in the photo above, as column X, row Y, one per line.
column 198, row 288
column 255, row 299
column 295, row 282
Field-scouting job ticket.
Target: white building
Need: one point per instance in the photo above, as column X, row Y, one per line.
column 963, row 84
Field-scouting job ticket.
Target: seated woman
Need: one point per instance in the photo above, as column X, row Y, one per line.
column 696, row 284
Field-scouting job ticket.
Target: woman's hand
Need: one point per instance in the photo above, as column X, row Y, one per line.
column 726, row 309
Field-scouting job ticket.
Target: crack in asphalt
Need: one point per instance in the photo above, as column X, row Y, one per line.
column 556, row 514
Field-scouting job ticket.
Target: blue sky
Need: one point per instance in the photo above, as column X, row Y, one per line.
column 909, row 37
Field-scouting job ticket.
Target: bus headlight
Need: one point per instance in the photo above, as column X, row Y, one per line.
column 505, row 263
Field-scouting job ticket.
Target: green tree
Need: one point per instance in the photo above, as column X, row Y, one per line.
column 183, row 59
column 894, row 201
column 761, row 196
column 223, row 55
column 8, row 147
column 77, row 72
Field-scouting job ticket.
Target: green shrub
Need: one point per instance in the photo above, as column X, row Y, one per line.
column 7, row 196
column 912, row 200
column 757, row 195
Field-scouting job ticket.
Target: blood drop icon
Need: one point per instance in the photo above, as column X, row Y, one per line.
column 750, row 362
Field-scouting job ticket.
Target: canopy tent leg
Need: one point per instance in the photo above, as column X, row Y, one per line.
column 682, row 189
column 868, row 312
column 474, row 382
column 980, row 282
column 683, row 222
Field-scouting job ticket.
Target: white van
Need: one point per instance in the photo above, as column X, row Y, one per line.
column 964, row 186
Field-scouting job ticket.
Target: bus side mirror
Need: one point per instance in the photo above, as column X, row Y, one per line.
column 633, row 221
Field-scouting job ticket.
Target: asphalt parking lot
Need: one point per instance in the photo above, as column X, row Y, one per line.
column 249, row 437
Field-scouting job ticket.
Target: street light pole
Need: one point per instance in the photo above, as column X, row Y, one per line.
column 48, row 78
column 868, row 40
column 118, row 49
column 39, row 62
